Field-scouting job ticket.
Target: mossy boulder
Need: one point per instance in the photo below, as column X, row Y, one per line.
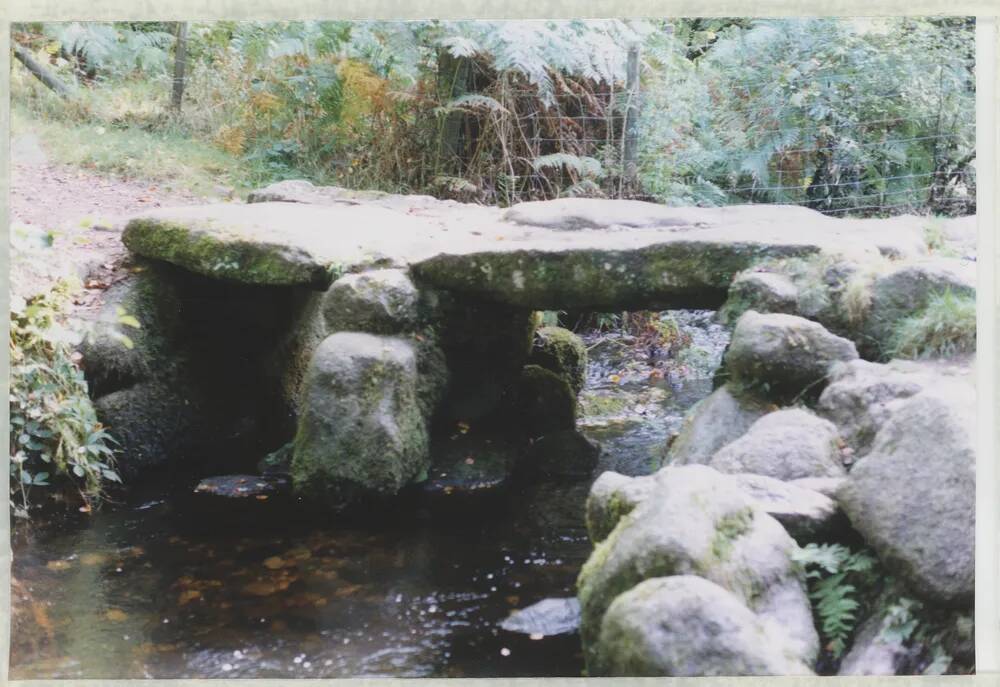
column 214, row 250
column 154, row 421
column 761, row 291
column 698, row 522
column 783, row 356
column 152, row 299
column 376, row 302
column 786, row 444
column 913, row 496
column 713, row 422
column 362, row 429
column 562, row 352
column 613, row 496
column 907, row 290
column 861, row 394
column 686, row 626
column 543, row 402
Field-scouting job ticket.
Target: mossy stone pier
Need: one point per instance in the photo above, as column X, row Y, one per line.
column 460, row 265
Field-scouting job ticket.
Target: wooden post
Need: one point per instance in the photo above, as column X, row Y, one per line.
column 180, row 65
column 631, row 147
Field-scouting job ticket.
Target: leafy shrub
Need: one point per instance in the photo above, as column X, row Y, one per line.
column 835, row 573
column 946, row 327
column 54, row 431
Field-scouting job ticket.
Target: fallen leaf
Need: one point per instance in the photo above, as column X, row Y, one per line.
column 274, row 562
column 116, row 615
column 188, row 596
column 93, row 559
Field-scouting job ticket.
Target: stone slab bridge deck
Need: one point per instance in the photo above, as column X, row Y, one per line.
column 572, row 253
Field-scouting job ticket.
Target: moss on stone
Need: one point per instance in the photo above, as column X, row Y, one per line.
column 562, row 352
column 222, row 254
column 545, row 402
column 728, row 529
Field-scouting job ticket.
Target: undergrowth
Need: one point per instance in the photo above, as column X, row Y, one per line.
column 55, row 436
column 120, row 131
column 946, row 327
column 836, row 575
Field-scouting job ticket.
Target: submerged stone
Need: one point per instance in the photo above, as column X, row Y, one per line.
column 565, row 453
column 548, row 617
column 242, row 486
column 466, row 464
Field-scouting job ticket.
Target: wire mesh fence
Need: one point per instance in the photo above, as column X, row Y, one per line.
column 863, row 158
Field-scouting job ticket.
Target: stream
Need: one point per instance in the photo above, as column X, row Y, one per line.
column 135, row 591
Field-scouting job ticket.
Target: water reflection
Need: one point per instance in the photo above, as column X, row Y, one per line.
column 136, row 590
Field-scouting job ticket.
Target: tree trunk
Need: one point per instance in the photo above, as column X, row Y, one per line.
column 180, row 65
column 41, row 73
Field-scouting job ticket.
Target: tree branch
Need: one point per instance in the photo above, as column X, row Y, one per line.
column 41, row 72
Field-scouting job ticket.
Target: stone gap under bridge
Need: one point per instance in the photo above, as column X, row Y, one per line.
column 360, row 326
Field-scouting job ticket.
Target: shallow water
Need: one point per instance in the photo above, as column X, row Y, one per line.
column 136, row 590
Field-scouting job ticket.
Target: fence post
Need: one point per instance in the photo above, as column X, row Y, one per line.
column 631, row 148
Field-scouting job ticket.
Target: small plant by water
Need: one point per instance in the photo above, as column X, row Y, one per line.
column 54, row 432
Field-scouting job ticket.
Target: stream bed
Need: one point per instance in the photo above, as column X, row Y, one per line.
column 134, row 590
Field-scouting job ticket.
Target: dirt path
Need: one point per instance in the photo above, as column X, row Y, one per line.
column 84, row 209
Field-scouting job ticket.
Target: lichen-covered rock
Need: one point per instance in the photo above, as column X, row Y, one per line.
column 361, row 427
column 376, row 302
column 698, row 522
column 686, row 626
column 714, row 422
column 907, row 290
column 761, row 291
column 612, row 497
column 562, row 352
column 783, row 355
column 786, row 444
column 564, row 453
column 544, row 402
column 803, row 512
column 568, row 214
column 859, row 397
column 913, row 496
